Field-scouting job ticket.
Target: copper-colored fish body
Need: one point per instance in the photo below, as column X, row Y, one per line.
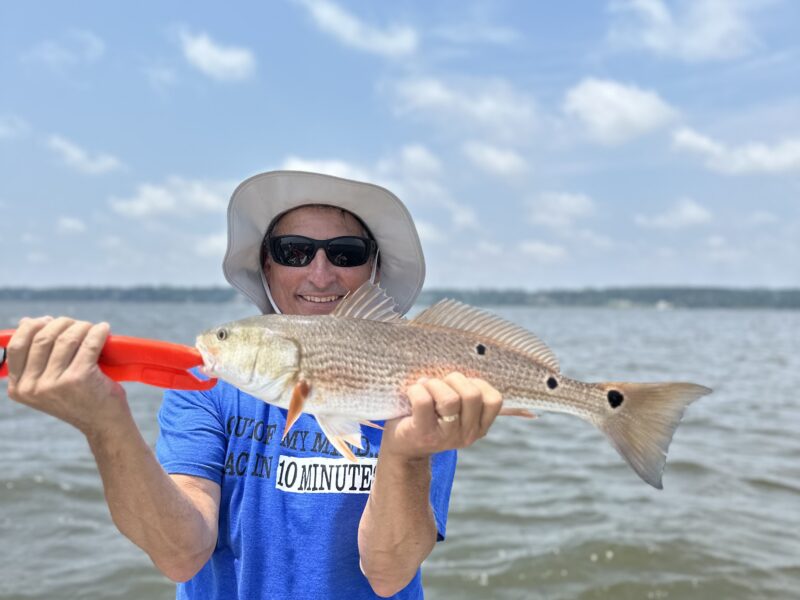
column 358, row 368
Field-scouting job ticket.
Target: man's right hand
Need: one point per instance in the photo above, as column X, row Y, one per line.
column 52, row 367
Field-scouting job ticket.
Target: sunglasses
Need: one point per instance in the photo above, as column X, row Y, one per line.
column 299, row 251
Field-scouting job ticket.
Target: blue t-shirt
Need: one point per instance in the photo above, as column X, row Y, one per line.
column 289, row 510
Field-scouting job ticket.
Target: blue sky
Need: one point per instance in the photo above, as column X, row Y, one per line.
column 538, row 145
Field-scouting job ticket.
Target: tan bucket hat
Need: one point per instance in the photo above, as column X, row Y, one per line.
column 261, row 198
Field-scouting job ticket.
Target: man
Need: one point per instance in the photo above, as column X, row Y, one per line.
column 229, row 508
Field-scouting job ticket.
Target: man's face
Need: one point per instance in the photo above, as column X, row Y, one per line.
column 317, row 288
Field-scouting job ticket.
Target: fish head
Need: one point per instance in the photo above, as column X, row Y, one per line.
column 254, row 358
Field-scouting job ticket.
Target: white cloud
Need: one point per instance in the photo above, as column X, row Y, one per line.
column 223, row 63
column 394, row 41
column 175, row 196
column 411, row 174
column 685, row 213
column 70, row 225
column 494, row 160
column 719, row 250
column 491, row 106
column 428, row 232
column 489, row 248
column 614, row 113
column 413, row 161
column 12, row 126
column 737, row 160
column 76, row 157
column 477, row 33
column 464, row 217
column 110, row 242
column 542, row 252
column 695, row 30
column 213, row 245
column 74, row 48
column 761, row 217
column 559, row 209
column 337, row 168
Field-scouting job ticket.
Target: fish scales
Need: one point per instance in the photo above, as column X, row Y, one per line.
column 345, row 368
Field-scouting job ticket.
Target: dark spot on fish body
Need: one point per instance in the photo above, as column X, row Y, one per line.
column 615, row 398
column 552, row 383
column 480, row 349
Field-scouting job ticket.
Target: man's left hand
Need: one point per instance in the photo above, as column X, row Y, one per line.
column 448, row 413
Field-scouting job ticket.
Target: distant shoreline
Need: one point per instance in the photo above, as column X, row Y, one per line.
column 623, row 297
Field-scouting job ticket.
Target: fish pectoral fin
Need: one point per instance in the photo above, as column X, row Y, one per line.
column 339, row 430
column 299, row 395
column 517, row 412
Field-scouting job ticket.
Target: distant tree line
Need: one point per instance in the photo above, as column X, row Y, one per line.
column 678, row 297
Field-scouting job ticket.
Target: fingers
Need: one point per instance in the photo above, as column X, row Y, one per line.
column 92, row 345
column 52, row 346
column 471, row 402
column 20, row 344
column 423, row 414
column 66, row 347
column 464, row 407
column 492, row 404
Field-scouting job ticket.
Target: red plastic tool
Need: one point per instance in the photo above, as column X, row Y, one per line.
column 153, row 362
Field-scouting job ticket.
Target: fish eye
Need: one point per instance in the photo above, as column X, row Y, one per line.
column 222, row 334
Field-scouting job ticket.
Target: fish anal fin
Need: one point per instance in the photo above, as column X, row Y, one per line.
column 340, row 431
column 454, row 315
column 368, row 302
column 371, row 424
column 299, row 395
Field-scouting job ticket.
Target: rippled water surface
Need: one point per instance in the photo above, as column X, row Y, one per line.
column 542, row 509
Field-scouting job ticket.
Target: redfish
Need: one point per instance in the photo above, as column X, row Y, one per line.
column 351, row 367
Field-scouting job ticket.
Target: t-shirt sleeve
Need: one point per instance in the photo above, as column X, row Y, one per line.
column 443, row 470
column 191, row 438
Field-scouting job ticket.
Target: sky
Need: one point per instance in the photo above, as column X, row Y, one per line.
column 538, row 145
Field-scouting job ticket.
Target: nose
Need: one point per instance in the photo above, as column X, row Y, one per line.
column 321, row 272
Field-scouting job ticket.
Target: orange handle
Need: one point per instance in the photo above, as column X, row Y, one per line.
column 153, row 362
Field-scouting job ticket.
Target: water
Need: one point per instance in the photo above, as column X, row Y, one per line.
column 542, row 509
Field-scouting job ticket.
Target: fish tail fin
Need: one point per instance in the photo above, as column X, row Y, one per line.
column 643, row 421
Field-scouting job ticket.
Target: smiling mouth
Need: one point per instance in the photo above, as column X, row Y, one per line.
column 321, row 299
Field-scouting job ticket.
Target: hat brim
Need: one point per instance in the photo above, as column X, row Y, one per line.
column 261, row 198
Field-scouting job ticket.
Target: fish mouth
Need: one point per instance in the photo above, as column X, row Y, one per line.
column 209, row 359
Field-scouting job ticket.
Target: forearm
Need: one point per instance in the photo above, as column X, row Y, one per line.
column 149, row 507
column 397, row 530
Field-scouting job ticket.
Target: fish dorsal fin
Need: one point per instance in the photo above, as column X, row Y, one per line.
column 452, row 314
column 368, row 302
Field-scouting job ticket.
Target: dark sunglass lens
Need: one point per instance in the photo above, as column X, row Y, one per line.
column 292, row 252
column 348, row 252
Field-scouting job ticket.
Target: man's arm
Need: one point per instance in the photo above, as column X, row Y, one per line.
column 397, row 530
column 52, row 367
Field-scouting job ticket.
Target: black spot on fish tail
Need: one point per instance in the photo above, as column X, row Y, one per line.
column 615, row 398
column 552, row 383
column 480, row 349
